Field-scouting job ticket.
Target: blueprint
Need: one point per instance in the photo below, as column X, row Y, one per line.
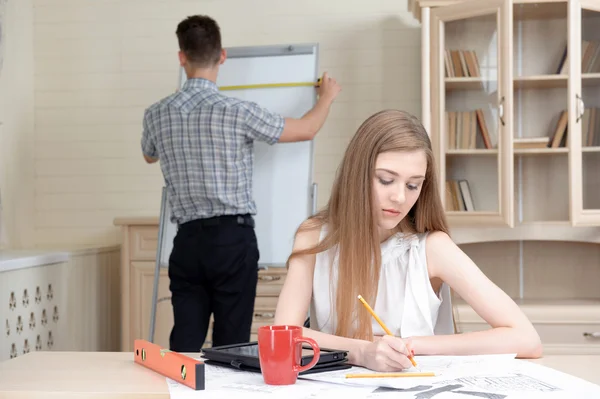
column 485, row 376
column 445, row 368
column 457, row 377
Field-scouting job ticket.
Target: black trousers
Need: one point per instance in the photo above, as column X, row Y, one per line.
column 213, row 268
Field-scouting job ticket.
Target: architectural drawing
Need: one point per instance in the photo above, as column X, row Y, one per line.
column 444, row 367
column 488, row 387
column 508, row 383
column 463, row 377
column 490, row 377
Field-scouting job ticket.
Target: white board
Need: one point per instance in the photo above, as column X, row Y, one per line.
column 283, row 186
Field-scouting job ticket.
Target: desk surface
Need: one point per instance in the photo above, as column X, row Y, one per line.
column 115, row 375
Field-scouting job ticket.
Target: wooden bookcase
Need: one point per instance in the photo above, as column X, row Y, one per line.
column 511, row 98
column 522, row 86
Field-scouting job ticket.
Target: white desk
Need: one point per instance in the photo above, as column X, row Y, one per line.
column 114, row 375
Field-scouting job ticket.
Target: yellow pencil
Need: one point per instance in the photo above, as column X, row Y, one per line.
column 387, row 331
column 390, row 375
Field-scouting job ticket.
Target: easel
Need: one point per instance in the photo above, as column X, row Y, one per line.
column 163, row 224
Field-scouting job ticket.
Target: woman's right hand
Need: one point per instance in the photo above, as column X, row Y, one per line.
column 387, row 353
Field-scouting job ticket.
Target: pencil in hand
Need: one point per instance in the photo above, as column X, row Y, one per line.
column 387, row 331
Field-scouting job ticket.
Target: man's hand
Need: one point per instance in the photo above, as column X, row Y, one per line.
column 307, row 127
column 329, row 88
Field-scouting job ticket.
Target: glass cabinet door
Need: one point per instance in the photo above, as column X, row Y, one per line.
column 584, row 118
column 471, row 83
column 541, row 102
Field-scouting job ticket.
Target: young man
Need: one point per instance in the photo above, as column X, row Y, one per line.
column 204, row 141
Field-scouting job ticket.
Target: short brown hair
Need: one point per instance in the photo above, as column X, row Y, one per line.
column 199, row 39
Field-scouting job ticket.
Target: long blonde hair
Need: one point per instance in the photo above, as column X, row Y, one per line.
column 352, row 224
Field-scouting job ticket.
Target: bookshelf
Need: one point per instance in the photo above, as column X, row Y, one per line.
column 511, row 98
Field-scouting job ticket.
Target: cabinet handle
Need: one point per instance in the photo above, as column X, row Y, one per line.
column 269, row 278
column 501, row 110
column 591, row 334
column 266, row 315
column 580, row 107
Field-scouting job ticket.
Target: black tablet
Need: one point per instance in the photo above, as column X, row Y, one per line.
column 245, row 357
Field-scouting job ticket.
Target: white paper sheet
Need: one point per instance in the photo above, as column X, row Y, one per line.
column 225, row 383
column 444, row 367
column 457, row 377
column 485, row 376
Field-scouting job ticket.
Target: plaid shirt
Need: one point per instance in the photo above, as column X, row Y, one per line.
column 204, row 141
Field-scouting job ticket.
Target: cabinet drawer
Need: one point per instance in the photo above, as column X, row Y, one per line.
column 270, row 281
column 563, row 329
column 556, row 338
column 143, row 242
column 266, row 302
column 262, row 317
column 569, row 334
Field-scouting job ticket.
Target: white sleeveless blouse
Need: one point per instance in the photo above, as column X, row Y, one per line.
column 406, row 302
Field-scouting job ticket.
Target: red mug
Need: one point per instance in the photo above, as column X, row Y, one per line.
column 280, row 353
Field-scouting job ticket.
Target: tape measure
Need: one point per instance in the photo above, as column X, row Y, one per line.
column 270, row 85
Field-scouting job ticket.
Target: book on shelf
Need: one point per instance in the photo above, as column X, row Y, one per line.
column 458, row 196
column 461, row 63
column 462, row 128
column 558, row 138
column 523, row 143
column 590, row 58
column 590, row 127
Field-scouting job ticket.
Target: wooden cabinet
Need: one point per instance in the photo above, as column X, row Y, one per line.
column 511, row 97
column 473, row 39
column 64, row 300
column 565, row 327
column 137, row 273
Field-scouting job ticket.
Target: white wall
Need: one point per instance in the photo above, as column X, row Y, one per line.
column 17, row 129
column 99, row 64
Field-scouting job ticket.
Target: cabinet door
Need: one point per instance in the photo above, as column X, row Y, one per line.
column 142, row 284
column 584, row 111
column 471, row 79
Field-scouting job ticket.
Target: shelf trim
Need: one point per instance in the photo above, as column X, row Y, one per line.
column 527, row 231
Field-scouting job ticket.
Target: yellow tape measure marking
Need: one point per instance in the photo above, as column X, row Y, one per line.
column 269, row 85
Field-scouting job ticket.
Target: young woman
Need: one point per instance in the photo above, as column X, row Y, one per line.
column 383, row 235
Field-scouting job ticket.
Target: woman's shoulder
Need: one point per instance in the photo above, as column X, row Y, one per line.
column 436, row 239
column 309, row 233
column 439, row 246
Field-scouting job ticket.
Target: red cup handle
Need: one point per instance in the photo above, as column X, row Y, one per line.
column 316, row 353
